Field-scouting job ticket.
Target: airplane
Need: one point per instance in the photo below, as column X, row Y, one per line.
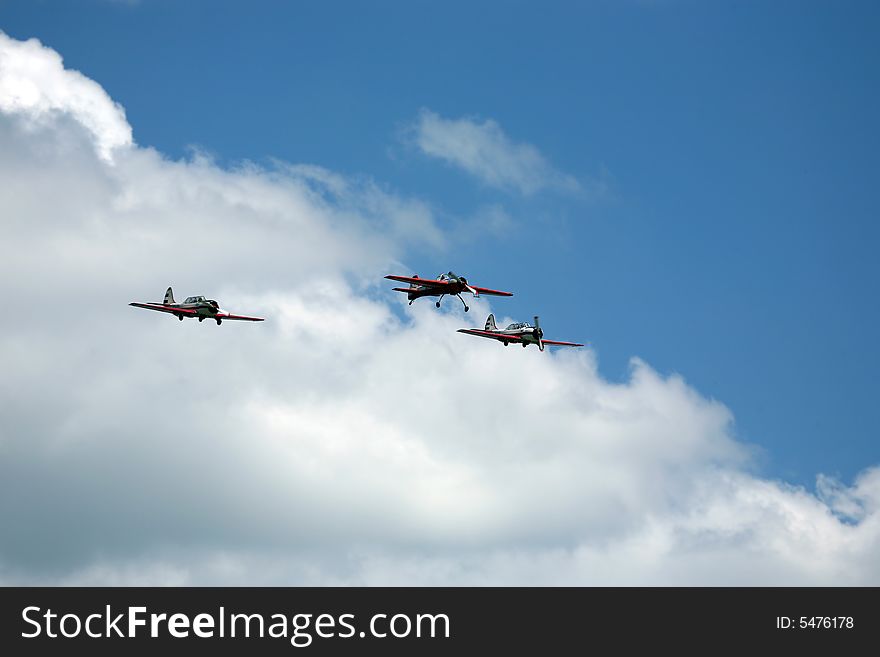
column 198, row 307
column 444, row 284
column 521, row 332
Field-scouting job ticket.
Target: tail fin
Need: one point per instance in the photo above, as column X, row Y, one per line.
column 169, row 297
column 490, row 323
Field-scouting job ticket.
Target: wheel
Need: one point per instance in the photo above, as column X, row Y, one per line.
column 524, row 345
column 410, row 303
column 201, row 319
column 437, row 304
column 218, row 324
column 180, row 317
column 506, row 344
column 466, row 308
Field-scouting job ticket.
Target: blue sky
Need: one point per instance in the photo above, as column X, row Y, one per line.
column 735, row 146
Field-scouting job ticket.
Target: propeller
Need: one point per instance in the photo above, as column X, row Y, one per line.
column 463, row 281
column 539, row 334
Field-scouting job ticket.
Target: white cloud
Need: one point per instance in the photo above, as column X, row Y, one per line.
column 485, row 151
column 34, row 83
column 336, row 442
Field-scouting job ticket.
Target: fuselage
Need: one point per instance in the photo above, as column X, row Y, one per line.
column 204, row 307
column 455, row 285
column 419, row 292
column 523, row 330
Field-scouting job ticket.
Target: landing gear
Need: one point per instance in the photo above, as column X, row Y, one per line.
column 180, row 317
column 410, row 303
column 218, row 324
column 201, row 319
column 462, row 302
column 524, row 345
column 439, row 300
column 437, row 304
column 506, row 344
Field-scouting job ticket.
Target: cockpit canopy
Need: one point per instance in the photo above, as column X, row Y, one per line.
column 519, row 325
column 201, row 299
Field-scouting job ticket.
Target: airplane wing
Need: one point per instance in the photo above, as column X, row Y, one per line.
column 562, row 344
column 440, row 285
column 497, row 293
column 503, row 337
column 243, row 318
column 491, row 334
column 427, row 282
column 162, row 308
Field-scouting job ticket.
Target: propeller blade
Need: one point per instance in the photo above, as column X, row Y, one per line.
column 464, row 283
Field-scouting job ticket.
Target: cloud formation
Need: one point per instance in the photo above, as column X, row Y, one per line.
column 483, row 150
column 349, row 439
column 35, row 85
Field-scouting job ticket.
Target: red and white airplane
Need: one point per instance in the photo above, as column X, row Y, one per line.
column 444, row 284
column 198, row 307
column 520, row 332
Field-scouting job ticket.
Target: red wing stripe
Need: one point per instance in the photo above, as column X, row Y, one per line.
column 163, row 308
column 428, row 282
column 244, row 318
column 490, row 334
column 497, row 293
